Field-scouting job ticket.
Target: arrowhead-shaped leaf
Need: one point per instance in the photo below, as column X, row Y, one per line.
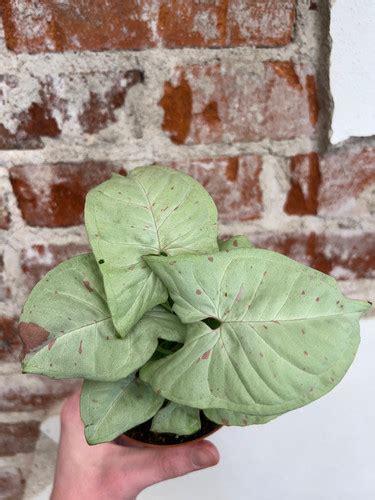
column 109, row 409
column 68, row 332
column 152, row 211
column 287, row 334
column 176, row 419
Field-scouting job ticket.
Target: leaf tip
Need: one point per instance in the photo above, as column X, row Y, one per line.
column 32, row 336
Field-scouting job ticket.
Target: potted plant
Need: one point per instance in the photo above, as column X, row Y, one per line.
column 176, row 332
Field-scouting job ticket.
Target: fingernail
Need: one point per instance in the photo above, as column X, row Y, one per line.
column 201, row 457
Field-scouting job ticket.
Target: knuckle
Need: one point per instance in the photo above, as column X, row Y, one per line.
column 169, row 467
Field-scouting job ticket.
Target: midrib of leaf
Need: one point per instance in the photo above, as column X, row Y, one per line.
column 294, row 319
column 124, row 361
column 221, row 283
column 178, row 238
column 176, row 207
column 197, row 403
column 151, row 211
column 114, row 402
column 90, row 306
column 342, row 354
column 288, row 294
column 250, row 364
column 240, row 378
column 139, row 292
column 66, row 334
column 125, row 244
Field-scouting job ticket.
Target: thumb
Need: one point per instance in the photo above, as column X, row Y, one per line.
column 173, row 462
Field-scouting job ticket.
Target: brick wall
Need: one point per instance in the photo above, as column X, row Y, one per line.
column 234, row 92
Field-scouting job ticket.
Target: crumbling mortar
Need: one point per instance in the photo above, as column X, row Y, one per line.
column 151, row 144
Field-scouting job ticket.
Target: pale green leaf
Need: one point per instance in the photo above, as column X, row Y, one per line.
column 287, row 333
column 109, row 409
column 152, row 211
column 234, row 242
column 228, row 417
column 176, row 419
column 79, row 338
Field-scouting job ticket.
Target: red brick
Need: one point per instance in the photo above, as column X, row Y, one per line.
column 28, row 125
column 234, row 103
column 18, row 437
column 12, row 483
column 347, row 174
column 86, row 101
column 46, row 25
column 225, row 23
column 343, row 256
column 336, row 184
column 54, row 195
column 37, row 260
column 233, row 182
column 99, row 110
column 31, row 392
column 305, row 181
column 10, row 342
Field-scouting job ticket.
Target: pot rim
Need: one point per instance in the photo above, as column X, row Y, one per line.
column 125, row 440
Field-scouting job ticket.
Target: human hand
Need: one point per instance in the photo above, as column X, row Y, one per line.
column 109, row 471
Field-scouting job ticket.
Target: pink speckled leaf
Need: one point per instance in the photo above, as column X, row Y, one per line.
column 109, row 409
column 285, row 334
column 68, row 331
column 152, row 211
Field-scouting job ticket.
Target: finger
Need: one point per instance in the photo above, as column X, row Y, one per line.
column 70, row 413
column 167, row 463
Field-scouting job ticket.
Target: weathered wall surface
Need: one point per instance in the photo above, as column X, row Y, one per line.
column 234, row 92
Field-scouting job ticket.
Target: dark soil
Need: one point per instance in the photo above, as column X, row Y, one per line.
column 142, row 433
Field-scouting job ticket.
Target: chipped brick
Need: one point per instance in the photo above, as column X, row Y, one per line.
column 336, row 184
column 53, row 195
column 18, row 437
column 37, row 260
column 305, row 181
column 12, row 483
column 10, row 342
column 98, row 111
column 177, row 105
column 225, row 23
column 228, row 103
column 47, row 26
column 233, row 183
column 87, row 101
column 342, row 256
column 21, row 393
column 348, row 181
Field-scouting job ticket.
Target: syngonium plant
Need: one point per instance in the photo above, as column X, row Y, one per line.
column 163, row 320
